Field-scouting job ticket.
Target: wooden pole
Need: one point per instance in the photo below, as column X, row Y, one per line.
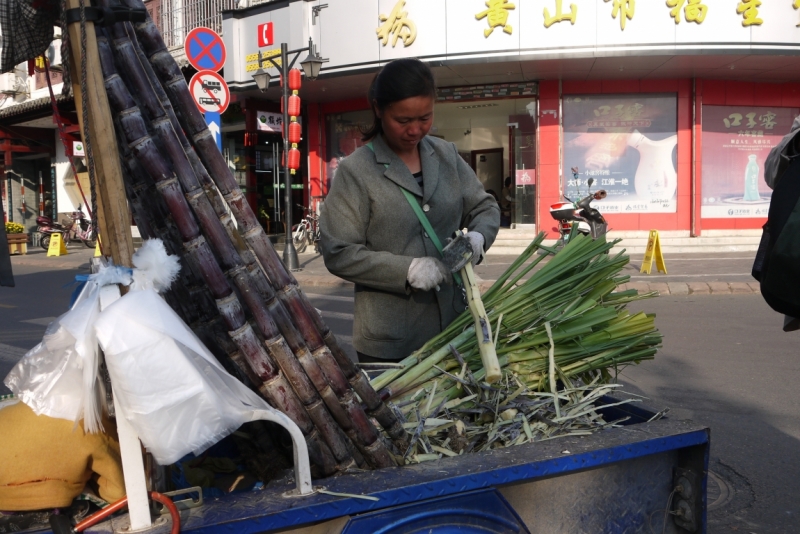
column 114, row 218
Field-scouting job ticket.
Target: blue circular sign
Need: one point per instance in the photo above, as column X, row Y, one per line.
column 205, row 49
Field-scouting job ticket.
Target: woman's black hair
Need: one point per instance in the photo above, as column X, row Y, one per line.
column 396, row 81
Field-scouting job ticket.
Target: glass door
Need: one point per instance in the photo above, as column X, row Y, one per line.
column 523, row 140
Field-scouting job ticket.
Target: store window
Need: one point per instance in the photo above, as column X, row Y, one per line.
column 344, row 137
column 736, row 142
column 628, row 144
column 497, row 138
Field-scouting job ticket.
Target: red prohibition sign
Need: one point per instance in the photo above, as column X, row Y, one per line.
column 205, row 49
column 210, row 92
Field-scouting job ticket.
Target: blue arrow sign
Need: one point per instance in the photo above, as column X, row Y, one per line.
column 214, row 122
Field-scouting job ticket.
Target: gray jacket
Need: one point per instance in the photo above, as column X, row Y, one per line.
column 370, row 234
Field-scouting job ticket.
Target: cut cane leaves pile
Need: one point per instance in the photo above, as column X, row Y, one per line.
column 562, row 335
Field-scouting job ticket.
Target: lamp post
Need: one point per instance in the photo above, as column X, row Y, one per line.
column 311, row 66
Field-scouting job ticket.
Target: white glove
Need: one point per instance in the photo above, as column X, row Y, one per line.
column 476, row 240
column 427, row 273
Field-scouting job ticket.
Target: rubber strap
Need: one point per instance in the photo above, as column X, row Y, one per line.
column 423, row 219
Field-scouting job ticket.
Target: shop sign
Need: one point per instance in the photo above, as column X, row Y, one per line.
column 267, row 121
column 477, row 92
column 736, row 142
column 77, row 149
column 265, row 35
column 361, row 34
column 628, row 144
column 526, row 177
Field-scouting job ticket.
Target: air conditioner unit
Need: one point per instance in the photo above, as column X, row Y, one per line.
column 8, row 83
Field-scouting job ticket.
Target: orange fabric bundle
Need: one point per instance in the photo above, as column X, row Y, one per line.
column 46, row 462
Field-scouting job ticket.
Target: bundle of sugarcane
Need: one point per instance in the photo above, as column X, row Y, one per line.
column 565, row 324
column 234, row 291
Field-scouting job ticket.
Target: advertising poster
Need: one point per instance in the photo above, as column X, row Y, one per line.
column 628, row 144
column 344, row 137
column 736, row 142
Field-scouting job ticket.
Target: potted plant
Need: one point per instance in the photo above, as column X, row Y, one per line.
column 17, row 238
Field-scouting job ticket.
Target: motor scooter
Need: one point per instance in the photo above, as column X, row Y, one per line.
column 79, row 229
column 589, row 220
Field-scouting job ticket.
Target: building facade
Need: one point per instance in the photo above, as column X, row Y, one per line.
column 670, row 105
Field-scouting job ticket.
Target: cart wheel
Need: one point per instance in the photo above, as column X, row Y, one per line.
column 45, row 242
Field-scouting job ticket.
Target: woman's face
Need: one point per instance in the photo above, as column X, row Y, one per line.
column 407, row 121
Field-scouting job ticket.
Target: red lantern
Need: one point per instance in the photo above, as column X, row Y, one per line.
column 295, row 77
column 294, row 160
column 294, row 106
column 294, row 132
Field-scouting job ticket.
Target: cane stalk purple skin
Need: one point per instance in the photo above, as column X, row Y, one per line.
column 367, row 438
column 333, row 361
column 191, row 298
column 274, row 385
column 220, row 239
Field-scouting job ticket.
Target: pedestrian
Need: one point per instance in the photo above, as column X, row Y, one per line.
column 777, row 263
column 372, row 236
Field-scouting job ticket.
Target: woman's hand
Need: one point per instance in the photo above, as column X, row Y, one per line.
column 427, row 273
column 476, row 240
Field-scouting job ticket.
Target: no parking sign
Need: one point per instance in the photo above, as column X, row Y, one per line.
column 205, row 49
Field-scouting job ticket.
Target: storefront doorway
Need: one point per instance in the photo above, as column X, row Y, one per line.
column 497, row 138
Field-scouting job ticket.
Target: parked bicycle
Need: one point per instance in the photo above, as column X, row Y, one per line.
column 79, row 229
column 306, row 232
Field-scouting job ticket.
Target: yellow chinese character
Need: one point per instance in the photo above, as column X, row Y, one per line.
column 749, row 8
column 497, row 16
column 626, row 7
column 796, row 5
column 695, row 11
column 559, row 16
column 398, row 25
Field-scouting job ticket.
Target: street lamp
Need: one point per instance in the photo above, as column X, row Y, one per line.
column 311, row 66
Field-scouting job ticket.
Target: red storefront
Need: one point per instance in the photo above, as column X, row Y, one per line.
column 671, row 112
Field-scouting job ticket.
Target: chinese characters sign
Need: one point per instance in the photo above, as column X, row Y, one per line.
column 736, row 141
column 398, row 25
column 628, row 144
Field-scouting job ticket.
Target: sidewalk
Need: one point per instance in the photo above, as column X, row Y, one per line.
column 689, row 274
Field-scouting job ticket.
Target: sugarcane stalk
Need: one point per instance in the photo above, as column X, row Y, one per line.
column 273, row 384
column 229, row 257
column 191, row 120
column 483, row 327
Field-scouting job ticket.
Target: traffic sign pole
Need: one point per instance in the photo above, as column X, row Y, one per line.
column 214, row 122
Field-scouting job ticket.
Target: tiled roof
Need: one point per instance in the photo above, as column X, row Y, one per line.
column 40, row 104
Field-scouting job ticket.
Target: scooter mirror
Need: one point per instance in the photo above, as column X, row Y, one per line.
column 590, row 182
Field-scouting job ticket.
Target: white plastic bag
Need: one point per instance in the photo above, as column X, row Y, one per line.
column 58, row 377
column 175, row 394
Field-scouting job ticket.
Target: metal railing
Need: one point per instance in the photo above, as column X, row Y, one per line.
column 179, row 17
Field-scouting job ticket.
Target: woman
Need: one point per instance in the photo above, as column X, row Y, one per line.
column 370, row 234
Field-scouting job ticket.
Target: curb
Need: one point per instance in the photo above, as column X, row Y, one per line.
column 696, row 288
